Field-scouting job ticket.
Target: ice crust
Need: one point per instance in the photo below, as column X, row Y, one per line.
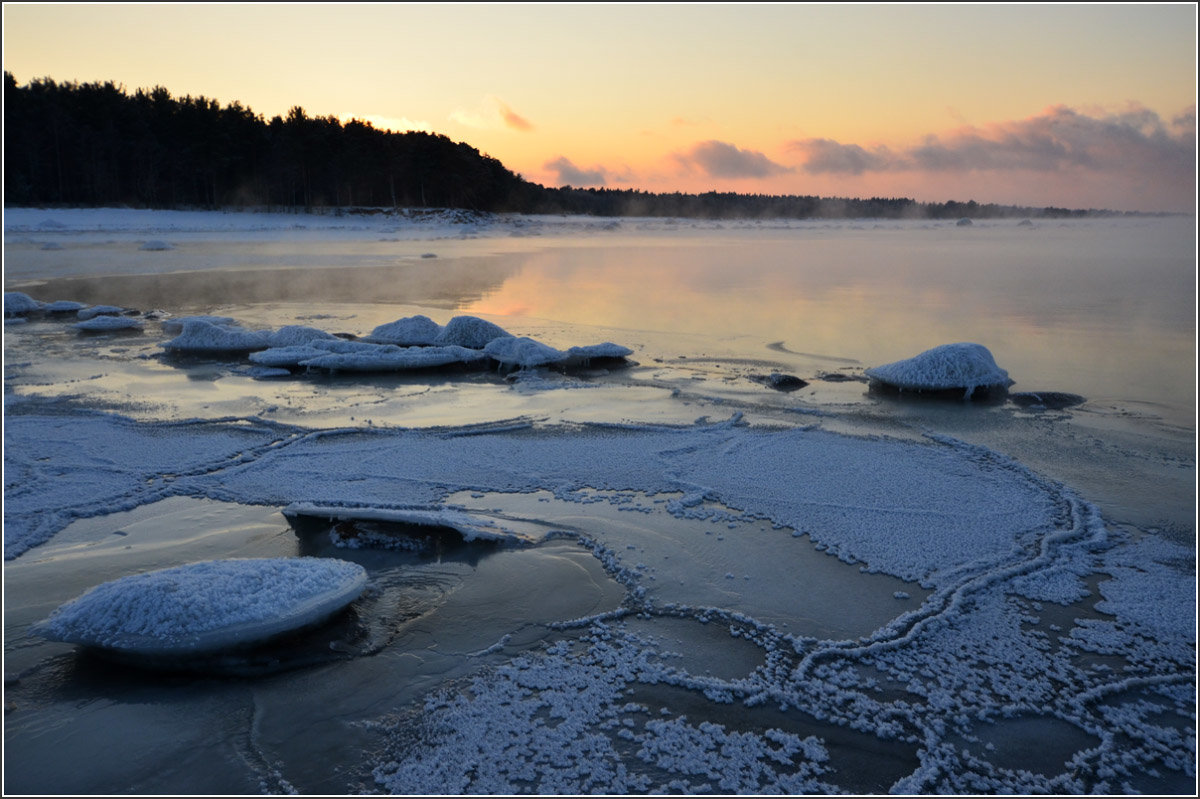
column 206, row 607
column 962, row 366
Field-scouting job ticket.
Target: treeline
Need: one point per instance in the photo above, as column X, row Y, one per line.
column 93, row 144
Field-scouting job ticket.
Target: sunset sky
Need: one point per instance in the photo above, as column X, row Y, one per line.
column 1090, row 106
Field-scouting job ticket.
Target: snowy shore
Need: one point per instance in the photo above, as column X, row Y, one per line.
column 670, row 577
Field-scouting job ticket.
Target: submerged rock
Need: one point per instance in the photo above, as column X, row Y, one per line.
column 206, row 607
column 780, row 381
column 965, row 367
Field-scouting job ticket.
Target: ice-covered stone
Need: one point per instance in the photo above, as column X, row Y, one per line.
column 206, row 607
column 963, row 366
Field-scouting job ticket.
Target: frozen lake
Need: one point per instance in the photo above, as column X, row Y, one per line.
column 705, row 584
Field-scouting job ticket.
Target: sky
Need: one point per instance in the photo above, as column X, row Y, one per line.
column 1074, row 105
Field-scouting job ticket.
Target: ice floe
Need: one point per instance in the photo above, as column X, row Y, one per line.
column 962, row 367
column 206, row 607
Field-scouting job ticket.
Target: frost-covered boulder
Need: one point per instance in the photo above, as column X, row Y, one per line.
column 522, row 352
column 206, row 607
column 108, row 324
column 407, row 332
column 175, row 326
column 292, row 335
column 962, row 367
column 201, row 336
column 471, row 332
column 17, row 303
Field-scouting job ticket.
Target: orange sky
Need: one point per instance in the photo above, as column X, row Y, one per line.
column 1072, row 105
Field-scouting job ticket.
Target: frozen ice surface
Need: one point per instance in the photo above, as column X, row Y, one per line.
column 522, row 352
column 205, row 607
column 471, row 332
column 200, row 336
column 407, row 332
column 17, row 302
column 963, row 366
column 100, row 324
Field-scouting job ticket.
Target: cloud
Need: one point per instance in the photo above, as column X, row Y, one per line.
column 512, row 119
column 568, row 174
column 720, row 159
column 491, row 114
column 1059, row 139
column 396, row 124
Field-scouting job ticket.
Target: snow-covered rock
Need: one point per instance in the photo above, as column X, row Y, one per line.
column 407, row 332
column 17, row 303
column 596, row 351
column 63, row 306
column 963, row 366
column 471, row 332
column 291, row 335
column 175, row 326
column 389, row 358
column 201, row 336
column 107, row 324
column 99, row 310
column 522, row 352
column 206, row 607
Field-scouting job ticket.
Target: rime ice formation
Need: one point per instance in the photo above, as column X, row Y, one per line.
column 950, row 367
column 206, row 607
column 291, row 335
column 17, row 303
column 63, row 307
